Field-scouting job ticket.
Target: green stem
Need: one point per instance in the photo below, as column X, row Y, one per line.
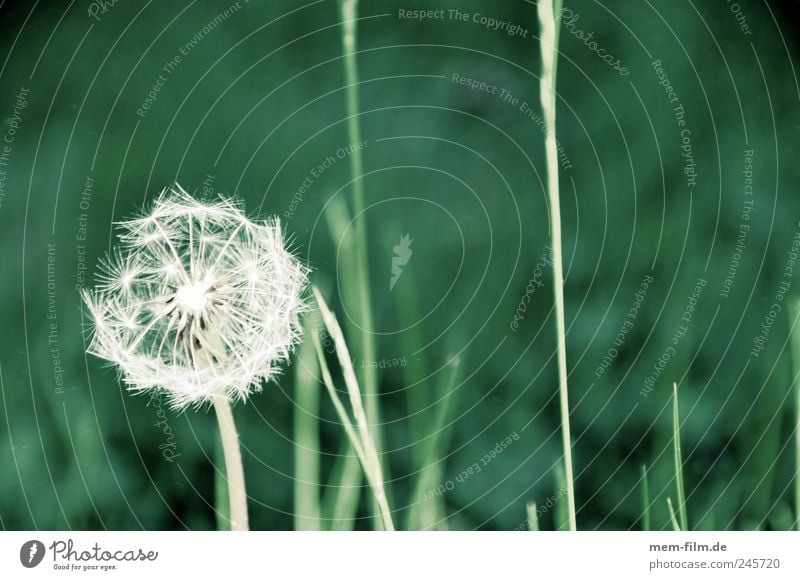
column 675, row 525
column 423, row 515
column 222, row 503
column 645, row 501
column 306, row 449
column 359, row 434
column 533, row 519
column 676, row 437
column 369, row 377
column 794, row 314
column 233, row 464
column 548, row 19
column 349, row 13
column 340, row 502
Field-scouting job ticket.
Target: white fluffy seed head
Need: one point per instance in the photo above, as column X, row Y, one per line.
column 197, row 300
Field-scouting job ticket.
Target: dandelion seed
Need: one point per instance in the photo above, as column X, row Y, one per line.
column 197, row 301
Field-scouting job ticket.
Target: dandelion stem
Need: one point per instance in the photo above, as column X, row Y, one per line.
column 222, row 504
column 549, row 11
column 233, row 464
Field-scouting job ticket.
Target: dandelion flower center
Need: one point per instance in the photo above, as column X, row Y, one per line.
column 193, row 297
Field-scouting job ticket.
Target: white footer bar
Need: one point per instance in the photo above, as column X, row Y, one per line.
column 400, row 555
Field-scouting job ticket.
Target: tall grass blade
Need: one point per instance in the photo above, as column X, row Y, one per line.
column 561, row 514
column 533, row 518
column 344, row 417
column 353, row 435
column 426, row 511
column 365, row 339
column 355, row 282
column 675, row 525
column 340, row 502
column 549, row 22
column 794, row 314
column 306, row 439
column 645, row 500
column 676, row 438
column 360, row 434
column 417, row 388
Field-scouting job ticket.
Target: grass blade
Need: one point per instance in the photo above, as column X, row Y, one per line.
column 369, row 377
column 337, row 216
column 354, row 438
column 360, row 435
column 675, row 525
column 676, row 438
column 340, row 502
column 645, row 501
column 533, row 518
column 424, row 514
column 306, row 439
column 561, row 513
column 794, row 314
column 549, row 11
column 417, row 391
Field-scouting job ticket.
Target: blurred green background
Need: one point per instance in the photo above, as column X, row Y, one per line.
column 255, row 104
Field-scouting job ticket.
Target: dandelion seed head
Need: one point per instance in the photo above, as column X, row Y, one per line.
column 197, row 300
